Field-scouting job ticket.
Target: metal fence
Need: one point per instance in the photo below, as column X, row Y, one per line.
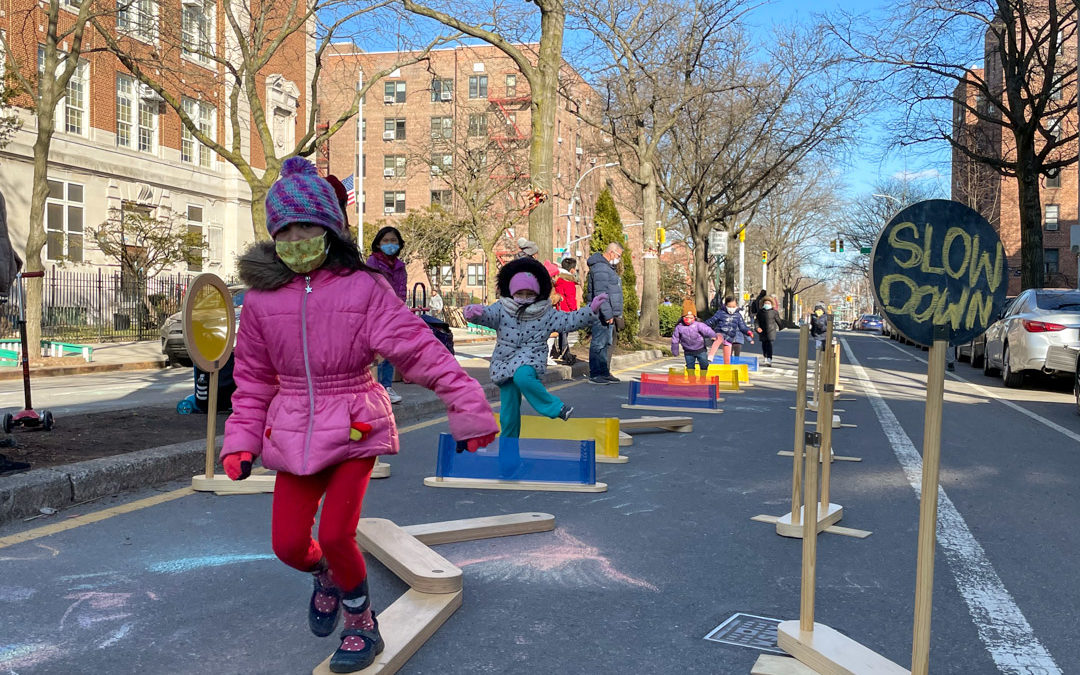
column 102, row 306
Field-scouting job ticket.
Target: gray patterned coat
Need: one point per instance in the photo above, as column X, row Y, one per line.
column 523, row 342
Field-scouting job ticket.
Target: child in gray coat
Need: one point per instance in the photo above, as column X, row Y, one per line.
column 523, row 318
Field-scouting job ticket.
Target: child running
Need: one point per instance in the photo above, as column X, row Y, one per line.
column 523, row 318
column 693, row 336
column 729, row 324
column 314, row 319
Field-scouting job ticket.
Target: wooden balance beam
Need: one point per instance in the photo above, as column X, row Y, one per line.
column 414, row 617
column 682, row 425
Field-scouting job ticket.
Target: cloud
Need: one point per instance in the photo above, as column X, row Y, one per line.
column 925, row 174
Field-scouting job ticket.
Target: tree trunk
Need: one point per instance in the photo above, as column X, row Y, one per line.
column 729, row 269
column 35, row 239
column 650, row 262
column 702, row 272
column 545, row 100
column 1031, row 236
column 491, row 269
column 258, row 211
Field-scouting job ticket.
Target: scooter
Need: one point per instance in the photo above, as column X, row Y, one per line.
column 28, row 418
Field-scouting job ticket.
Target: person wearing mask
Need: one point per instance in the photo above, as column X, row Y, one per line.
column 567, row 288
column 819, row 324
column 768, row 325
column 693, row 336
column 730, row 326
column 603, row 279
column 386, row 258
column 436, row 304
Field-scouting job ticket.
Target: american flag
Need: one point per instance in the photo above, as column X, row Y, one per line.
column 350, row 186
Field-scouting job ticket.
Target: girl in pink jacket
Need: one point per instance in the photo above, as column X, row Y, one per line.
column 314, row 319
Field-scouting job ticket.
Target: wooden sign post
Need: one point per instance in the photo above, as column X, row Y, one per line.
column 800, row 427
column 940, row 276
column 210, row 334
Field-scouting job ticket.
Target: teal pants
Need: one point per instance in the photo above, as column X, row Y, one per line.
column 524, row 383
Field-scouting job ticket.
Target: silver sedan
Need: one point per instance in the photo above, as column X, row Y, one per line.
column 1018, row 341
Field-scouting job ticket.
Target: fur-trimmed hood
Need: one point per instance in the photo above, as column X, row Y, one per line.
column 261, row 269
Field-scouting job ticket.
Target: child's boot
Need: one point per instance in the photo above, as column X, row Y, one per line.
column 325, row 605
column 360, row 640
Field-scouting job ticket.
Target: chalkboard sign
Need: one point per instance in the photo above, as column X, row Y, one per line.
column 939, row 263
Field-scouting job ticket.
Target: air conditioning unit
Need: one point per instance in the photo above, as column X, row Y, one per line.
column 192, row 3
column 559, row 140
column 435, row 170
column 580, row 151
column 388, row 135
column 388, row 209
column 388, row 173
column 388, row 99
column 147, row 93
column 446, row 96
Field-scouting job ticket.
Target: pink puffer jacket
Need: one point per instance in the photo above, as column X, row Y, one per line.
column 302, row 372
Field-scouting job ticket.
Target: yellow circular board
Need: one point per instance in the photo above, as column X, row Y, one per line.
column 209, row 322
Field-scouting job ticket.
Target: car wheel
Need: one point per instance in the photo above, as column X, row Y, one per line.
column 977, row 358
column 988, row 369
column 1076, row 388
column 47, row 421
column 9, row 423
column 1011, row 378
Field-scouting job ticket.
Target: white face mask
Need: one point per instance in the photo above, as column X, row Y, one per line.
column 731, row 310
column 524, row 298
column 768, row 305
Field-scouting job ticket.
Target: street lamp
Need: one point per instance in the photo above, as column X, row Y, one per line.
column 573, row 198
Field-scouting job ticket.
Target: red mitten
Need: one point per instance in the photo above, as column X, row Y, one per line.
column 474, row 444
column 238, row 465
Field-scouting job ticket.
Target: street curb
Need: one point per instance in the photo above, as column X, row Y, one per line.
column 23, row 495
column 90, row 368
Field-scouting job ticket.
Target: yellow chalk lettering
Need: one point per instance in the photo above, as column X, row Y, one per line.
column 928, row 239
column 980, row 263
column 885, row 291
column 953, row 313
column 917, row 301
column 952, row 235
column 980, row 309
column 910, row 247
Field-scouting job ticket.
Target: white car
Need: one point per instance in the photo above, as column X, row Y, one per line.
column 1038, row 319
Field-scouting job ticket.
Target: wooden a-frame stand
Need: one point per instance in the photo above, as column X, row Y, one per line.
column 826, row 650
column 681, row 425
column 435, row 584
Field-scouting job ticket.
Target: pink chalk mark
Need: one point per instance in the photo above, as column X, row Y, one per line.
column 557, row 556
column 96, row 600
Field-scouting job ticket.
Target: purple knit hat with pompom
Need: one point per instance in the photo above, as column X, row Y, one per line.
column 300, row 195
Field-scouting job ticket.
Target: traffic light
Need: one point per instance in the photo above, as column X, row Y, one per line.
column 841, row 245
column 660, row 235
column 832, row 246
column 764, row 257
column 742, row 234
column 847, row 298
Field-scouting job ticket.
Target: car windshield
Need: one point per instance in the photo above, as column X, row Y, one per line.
column 238, row 297
column 871, row 317
column 1058, row 300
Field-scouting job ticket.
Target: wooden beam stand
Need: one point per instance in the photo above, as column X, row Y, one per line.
column 835, row 457
column 768, row 664
column 672, row 408
column 222, row 485
column 683, row 425
column 380, row 470
column 829, row 652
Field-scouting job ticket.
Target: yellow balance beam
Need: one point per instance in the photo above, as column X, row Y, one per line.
column 603, row 430
column 719, row 369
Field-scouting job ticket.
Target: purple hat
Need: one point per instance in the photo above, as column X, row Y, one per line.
column 300, row 195
column 524, row 281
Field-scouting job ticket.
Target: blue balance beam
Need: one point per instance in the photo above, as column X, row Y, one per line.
column 522, row 459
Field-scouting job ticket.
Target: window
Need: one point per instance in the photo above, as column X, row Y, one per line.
column 1050, row 217
column 476, row 275
column 197, row 30
column 1053, row 178
column 1050, row 261
column 363, row 130
column 195, row 229
column 71, row 111
column 394, row 202
column 362, row 168
column 204, row 116
column 393, row 166
column 441, row 276
column 64, row 221
column 216, row 243
column 393, row 129
column 394, row 91
column 443, row 198
column 1057, row 92
column 477, row 124
column 511, row 85
column 1053, row 128
column 138, row 18
column 471, row 242
column 478, row 86
column 136, row 116
column 442, row 127
column 442, row 90
column 441, row 163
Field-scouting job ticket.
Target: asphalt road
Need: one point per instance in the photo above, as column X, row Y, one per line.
column 632, row 579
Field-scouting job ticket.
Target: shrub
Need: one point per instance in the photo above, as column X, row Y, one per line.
column 669, row 317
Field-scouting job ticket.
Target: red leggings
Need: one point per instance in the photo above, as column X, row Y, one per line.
column 296, row 499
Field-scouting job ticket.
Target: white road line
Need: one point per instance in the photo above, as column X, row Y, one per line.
column 999, row 622
column 1004, row 401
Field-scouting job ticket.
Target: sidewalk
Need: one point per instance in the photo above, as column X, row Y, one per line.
column 146, row 355
column 57, row 487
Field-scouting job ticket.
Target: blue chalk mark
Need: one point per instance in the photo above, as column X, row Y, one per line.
column 188, row 564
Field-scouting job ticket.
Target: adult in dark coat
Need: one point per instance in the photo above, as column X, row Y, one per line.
column 819, row 325
column 10, row 262
column 603, row 278
column 768, row 325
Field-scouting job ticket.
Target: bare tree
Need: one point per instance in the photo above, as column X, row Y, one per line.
column 541, row 64
column 436, row 238
column 731, row 148
column 654, row 59
column 43, row 75
column 1020, row 103
column 259, row 37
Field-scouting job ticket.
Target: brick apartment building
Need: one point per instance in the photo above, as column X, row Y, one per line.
column 464, row 110
column 118, row 145
column 996, row 197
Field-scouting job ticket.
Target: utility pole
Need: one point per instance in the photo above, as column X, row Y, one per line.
column 740, row 289
column 765, row 269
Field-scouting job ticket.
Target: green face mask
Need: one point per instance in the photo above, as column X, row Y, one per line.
column 303, row 256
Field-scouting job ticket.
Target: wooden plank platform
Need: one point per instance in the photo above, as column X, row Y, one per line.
column 604, row 459
column 492, row 484
column 488, row 527
column 405, row 626
column 223, row 485
column 831, row 653
column 672, row 408
column 832, row 529
column 625, row 439
column 768, row 664
column 678, row 424
column 826, row 520
column 417, row 565
column 835, row 457
column 380, row 470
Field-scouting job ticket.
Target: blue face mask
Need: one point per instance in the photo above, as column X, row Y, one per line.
column 390, row 249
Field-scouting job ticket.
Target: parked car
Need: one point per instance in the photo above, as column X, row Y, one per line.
column 1066, row 361
column 172, row 331
column 871, row 322
column 1037, row 319
column 974, row 351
